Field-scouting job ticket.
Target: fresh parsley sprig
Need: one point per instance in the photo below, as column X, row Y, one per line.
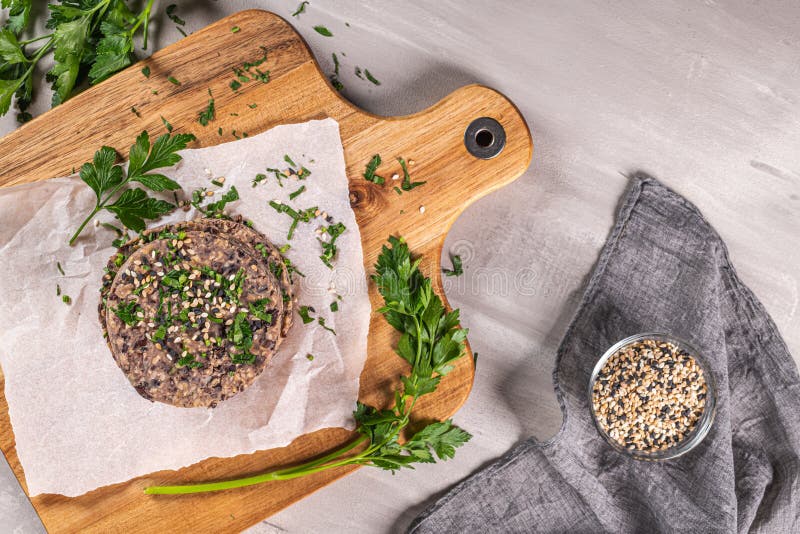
column 431, row 342
column 106, row 178
column 90, row 39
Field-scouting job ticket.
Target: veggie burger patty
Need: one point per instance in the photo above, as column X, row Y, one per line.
column 194, row 311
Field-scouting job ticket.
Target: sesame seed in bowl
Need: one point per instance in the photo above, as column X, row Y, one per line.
column 652, row 396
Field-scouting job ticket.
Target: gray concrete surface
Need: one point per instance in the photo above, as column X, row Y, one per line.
column 703, row 95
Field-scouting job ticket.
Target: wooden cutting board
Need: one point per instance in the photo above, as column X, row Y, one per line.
column 62, row 139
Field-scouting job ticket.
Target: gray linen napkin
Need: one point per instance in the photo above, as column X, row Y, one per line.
column 663, row 269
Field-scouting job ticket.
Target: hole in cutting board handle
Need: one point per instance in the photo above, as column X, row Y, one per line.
column 485, row 138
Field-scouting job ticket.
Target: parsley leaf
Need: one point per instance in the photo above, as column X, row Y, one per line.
column 18, row 14
column 322, row 30
column 133, row 206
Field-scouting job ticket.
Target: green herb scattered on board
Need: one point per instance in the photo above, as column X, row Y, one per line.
column 369, row 171
column 250, row 71
column 133, row 206
column 235, row 29
column 431, row 342
column 173, row 80
column 66, row 299
column 208, row 114
column 146, row 71
column 407, row 184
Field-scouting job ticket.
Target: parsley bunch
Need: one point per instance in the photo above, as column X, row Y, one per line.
column 133, row 206
column 431, row 342
column 90, row 39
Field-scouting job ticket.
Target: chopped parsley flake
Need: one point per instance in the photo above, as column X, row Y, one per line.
column 297, row 216
column 60, row 268
column 173, row 80
column 235, row 29
column 170, row 11
column 457, row 269
column 208, row 114
column 370, row 77
column 300, row 9
column 66, row 300
column 321, row 321
column 146, row 71
column 305, row 312
column 407, row 184
column 322, row 30
column 167, row 125
column 329, row 247
column 127, row 312
column 369, row 171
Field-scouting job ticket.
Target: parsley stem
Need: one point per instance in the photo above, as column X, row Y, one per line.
column 144, row 17
column 314, row 466
column 83, row 224
column 35, row 39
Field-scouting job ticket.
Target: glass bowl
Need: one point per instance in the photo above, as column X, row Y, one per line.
column 702, row 427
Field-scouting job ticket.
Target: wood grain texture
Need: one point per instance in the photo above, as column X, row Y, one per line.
column 60, row 140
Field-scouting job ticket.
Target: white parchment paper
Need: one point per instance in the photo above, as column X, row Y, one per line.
column 78, row 422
